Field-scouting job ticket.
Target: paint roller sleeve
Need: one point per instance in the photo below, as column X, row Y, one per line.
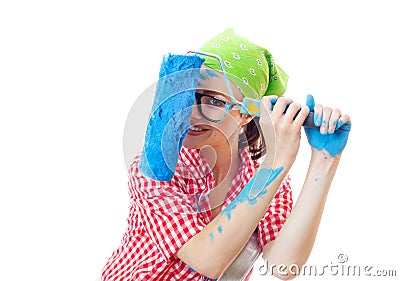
column 169, row 118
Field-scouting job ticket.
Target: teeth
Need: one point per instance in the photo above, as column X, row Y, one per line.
column 196, row 129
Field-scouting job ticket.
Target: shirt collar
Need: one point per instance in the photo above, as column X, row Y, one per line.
column 193, row 164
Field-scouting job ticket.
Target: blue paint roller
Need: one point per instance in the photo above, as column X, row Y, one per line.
column 169, row 118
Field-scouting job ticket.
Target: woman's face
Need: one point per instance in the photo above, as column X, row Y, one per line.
column 219, row 135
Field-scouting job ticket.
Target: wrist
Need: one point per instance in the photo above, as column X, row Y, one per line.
column 323, row 162
column 324, row 155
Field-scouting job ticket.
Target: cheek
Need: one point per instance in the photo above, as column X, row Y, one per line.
column 226, row 128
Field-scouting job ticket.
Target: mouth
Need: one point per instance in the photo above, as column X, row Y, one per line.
column 197, row 130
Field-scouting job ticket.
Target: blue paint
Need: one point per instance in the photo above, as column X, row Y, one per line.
column 317, row 120
column 220, row 229
column 169, row 118
column 332, row 127
column 339, row 124
column 260, row 181
column 332, row 143
column 211, row 73
column 202, row 76
column 253, row 190
column 191, row 269
column 211, row 237
column 207, row 74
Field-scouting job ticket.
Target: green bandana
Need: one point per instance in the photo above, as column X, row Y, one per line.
column 249, row 66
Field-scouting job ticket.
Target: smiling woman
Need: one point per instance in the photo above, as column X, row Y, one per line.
column 231, row 177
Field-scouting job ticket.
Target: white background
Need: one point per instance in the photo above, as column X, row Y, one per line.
column 71, row 70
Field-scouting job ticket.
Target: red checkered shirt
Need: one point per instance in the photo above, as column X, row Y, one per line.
column 163, row 216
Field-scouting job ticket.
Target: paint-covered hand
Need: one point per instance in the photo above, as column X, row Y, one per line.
column 280, row 121
column 334, row 129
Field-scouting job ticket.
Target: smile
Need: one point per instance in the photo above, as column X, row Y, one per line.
column 195, row 130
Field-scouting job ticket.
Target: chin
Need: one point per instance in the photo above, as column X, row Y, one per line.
column 191, row 144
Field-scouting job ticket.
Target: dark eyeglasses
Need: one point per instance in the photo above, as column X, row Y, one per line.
column 212, row 108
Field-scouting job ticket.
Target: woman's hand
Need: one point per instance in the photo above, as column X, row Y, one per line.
column 281, row 130
column 332, row 136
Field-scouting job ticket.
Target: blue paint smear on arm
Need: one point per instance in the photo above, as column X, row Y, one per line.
column 211, row 237
column 220, row 229
column 254, row 189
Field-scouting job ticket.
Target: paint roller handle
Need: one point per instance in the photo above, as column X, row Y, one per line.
column 309, row 122
column 252, row 107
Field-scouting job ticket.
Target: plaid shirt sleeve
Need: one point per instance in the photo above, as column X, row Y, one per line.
column 165, row 210
column 276, row 215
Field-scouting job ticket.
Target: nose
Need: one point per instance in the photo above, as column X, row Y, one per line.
column 196, row 115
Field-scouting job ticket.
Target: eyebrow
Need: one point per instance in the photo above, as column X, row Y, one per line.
column 215, row 94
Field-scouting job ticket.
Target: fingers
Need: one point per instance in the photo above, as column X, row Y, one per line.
column 284, row 108
column 281, row 105
column 310, row 102
column 329, row 119
column 333, row 120
column 325, row 117
column 301, row 115
column 344, row 122
column 268, row 101
column 326, row 114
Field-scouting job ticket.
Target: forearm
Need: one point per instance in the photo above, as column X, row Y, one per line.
column 297, row 236
column 210, row 251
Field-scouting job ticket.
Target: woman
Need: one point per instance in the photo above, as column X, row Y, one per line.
column 231, row 177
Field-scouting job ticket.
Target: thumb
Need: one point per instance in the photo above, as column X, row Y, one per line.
column 310, row 102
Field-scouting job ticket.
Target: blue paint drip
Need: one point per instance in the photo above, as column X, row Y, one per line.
column 220, row 229
column 253, row 190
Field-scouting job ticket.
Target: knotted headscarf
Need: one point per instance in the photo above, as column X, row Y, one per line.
column 249, row 66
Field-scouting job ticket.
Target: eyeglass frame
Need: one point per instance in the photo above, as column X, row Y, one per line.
column 228, row 106
column 235, row 102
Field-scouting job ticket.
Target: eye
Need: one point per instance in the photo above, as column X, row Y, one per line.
column 216, row 102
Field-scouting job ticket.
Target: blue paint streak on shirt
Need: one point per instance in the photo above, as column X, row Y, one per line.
column 253, row 190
